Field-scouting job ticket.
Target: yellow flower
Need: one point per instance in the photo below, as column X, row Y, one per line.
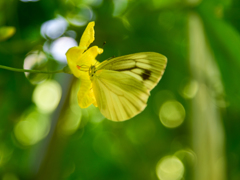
column 79, row 60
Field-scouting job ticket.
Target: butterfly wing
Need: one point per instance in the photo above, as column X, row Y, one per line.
column 119, row 96
column 121, row 85
column 147, row 67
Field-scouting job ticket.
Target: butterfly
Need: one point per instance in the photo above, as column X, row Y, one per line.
column 119, row 87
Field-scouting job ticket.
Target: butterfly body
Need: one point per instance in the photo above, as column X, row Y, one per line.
column 92, row 71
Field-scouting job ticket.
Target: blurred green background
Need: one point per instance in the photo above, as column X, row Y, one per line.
column 190, row 128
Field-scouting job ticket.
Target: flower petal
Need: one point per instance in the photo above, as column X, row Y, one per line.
column 85, row 94
column 88, row 36
column 73, row 56
column 88, row 58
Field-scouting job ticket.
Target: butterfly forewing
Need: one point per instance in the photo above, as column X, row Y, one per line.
column 147, row 67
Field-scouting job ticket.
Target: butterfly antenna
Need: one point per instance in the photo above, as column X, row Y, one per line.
column 96, row 63
column 104, row 44
column 111, row 57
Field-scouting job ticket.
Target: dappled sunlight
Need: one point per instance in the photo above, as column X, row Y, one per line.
column 170, row 168
column 172, row 114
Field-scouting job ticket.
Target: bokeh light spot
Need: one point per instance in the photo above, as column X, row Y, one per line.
column 187, row 155
column 119, row 7
column 47, row 96
column 160, row 97
column 172, row 114
column 71, row 121
column 34, row 58
column 190, row 89
column 54, row 28
column 71, row 33
column 32, row 128
column 60, row 46
column 170, row 168
column 81, row 16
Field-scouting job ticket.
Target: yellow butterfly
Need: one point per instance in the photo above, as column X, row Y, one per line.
column 119, row 87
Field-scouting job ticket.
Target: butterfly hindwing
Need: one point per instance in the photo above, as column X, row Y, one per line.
column 119, row 96
column 147, row 67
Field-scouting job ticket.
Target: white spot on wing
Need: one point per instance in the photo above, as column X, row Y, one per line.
column 133, row 75
column 123, row 65
column 143, row 65
column 137, row 71
column 146, row 61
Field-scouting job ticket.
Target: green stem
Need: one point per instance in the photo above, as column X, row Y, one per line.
column 31, row 71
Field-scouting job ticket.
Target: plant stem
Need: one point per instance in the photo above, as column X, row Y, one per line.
column 29, row 70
